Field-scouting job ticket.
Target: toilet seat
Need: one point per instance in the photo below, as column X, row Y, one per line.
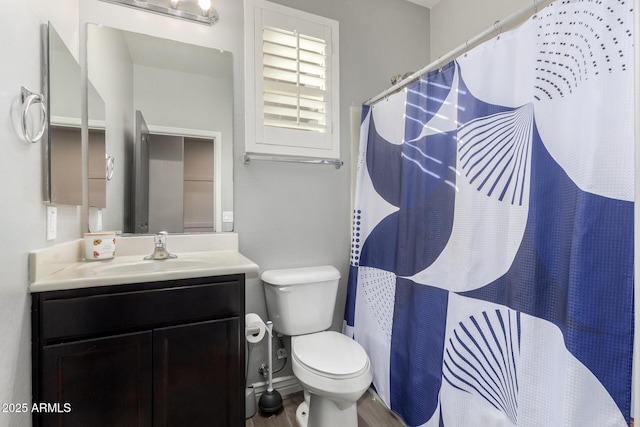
column 330, row 354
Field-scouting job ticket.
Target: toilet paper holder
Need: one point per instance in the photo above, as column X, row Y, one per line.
column 253, row 330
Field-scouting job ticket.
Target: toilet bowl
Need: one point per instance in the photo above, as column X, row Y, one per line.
column 333, row 369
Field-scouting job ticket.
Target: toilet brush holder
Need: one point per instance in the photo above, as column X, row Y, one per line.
column 250, row 402
column 270, row 401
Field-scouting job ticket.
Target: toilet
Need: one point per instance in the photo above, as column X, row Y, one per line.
column 334, row 370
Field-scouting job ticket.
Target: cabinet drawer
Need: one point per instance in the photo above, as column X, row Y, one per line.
column 136, row 308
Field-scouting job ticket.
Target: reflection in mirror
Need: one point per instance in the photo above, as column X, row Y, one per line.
column 65, row 156
column 97, row 156
column 65, row 148
column 176, row 174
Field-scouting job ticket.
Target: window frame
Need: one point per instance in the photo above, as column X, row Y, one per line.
column 262, row 139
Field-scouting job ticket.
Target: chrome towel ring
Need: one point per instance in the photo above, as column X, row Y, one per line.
column 110, row 165
column 28, row 99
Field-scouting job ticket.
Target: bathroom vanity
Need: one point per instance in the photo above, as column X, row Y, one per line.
column 118, row 345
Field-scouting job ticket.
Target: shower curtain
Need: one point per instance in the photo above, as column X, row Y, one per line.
column 491, row 278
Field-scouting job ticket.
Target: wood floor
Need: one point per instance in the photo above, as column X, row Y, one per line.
column 371, row 413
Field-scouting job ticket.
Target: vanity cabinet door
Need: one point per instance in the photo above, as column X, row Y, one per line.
column 197, row 375
column 105, row 381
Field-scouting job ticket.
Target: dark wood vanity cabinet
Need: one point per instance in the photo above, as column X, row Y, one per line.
column 151, row 354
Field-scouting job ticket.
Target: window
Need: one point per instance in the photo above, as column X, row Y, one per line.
column 291, row 82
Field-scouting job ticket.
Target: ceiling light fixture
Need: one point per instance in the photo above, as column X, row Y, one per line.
column 191, row 10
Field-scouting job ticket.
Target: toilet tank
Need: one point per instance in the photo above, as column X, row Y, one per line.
column 301, row 300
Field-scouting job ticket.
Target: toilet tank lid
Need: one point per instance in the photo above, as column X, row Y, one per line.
column 293, row 276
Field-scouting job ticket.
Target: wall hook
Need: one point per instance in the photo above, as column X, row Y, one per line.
column 28, row 99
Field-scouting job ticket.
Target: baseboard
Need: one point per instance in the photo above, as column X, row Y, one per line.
column 284, row 385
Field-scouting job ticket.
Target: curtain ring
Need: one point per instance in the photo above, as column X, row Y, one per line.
column 28, row 99
column 497, row 26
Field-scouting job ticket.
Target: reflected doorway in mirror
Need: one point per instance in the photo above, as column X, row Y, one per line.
column 178, row 179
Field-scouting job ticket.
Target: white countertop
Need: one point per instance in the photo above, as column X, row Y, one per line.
column 62, row 267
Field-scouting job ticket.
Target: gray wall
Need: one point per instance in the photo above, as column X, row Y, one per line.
column 453, row 22
column 293, row 215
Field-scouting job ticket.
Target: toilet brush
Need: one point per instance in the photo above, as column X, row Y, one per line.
column 270, row 401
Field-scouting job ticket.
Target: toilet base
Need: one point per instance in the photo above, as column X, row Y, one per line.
column 302, row 414
column 323, row 412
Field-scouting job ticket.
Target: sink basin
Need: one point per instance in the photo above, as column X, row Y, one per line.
column 62, row 266
column 152, row 266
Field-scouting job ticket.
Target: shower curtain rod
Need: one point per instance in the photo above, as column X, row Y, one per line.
column 512, row 19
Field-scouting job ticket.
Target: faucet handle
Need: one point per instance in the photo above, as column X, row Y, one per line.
column 160, row 239
column 160, row 251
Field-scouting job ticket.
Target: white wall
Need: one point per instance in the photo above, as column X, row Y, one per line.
column 22, row 217
column 453, row 22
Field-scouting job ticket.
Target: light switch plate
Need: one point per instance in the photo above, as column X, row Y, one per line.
column 227, row 216
column 52, row 222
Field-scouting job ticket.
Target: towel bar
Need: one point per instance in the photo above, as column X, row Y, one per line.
column 292, row 159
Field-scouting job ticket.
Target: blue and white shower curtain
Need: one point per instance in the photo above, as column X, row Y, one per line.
column 491, row 278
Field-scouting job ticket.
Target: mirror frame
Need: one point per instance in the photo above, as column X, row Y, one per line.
column 63, row 152
column 44, row 66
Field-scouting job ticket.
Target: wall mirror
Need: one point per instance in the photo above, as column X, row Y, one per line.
column 64, row 156
column 64, row 149
column 168, row 111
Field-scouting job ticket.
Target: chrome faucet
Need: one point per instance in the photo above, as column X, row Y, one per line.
column 160, row 247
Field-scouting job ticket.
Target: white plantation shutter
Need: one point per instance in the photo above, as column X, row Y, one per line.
column 294, row 80
column 294, row 87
